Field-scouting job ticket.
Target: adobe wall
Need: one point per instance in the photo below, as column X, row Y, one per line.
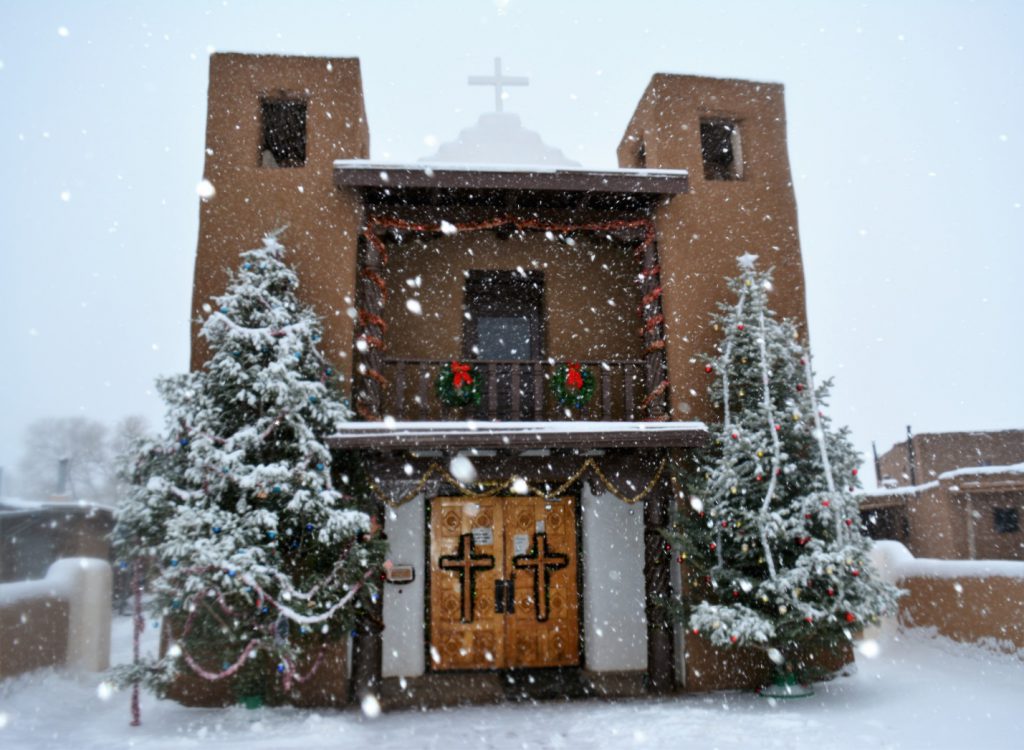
column 967, row 609
column 323, row 221
column 33, row 634
column 701, row 233
column 590, row 304
column 936, row 453
column 324, row 687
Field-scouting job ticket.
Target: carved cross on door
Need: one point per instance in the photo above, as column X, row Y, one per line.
column 466, row 564
column 542, row 563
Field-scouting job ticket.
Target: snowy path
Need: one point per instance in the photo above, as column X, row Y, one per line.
column 917, row 693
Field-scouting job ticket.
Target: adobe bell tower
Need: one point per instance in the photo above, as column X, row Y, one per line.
column 275, row 125
column 730, row 135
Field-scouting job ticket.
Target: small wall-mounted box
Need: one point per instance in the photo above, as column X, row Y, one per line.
column 400, row 574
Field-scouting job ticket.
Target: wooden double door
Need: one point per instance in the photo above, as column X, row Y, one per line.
column 503, row 588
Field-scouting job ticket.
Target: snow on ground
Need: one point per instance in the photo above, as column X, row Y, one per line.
column 918, row 692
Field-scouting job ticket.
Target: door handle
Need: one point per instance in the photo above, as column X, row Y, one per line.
column 499, row 596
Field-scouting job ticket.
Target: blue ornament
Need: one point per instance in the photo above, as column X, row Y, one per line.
column 183, row 442
column 216, row 529
column 122, row 565
column 224, row 310
column 247, row 266
column 231, row 573
column 265, row 609
column 225, row 665
column 298, row 355
column 312, row 399
column 319, row 467
column 309, row 527
column 174, row 563
column 280, row 668
column 272, row 534
column 276, row 490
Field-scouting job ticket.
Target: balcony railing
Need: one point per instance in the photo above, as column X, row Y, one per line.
column 514, row 391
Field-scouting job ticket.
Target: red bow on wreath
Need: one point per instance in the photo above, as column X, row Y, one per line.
column 460, row 375
column 573, row 376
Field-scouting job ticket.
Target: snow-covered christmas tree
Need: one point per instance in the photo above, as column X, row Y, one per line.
column 772, row 540
column 259, row 552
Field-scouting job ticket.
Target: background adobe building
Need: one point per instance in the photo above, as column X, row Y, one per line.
column 957, row 495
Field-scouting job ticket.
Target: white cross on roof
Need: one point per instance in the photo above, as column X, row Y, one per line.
column 498, row 81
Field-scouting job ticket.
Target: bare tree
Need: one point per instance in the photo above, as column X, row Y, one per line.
column 68, row 451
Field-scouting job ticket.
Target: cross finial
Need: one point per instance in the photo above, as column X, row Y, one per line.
column 498, row 81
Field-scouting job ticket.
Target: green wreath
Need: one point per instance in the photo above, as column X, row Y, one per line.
column 572, row 385
column 458, row 384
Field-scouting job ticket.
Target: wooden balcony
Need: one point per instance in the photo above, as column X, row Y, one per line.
column 514, row 391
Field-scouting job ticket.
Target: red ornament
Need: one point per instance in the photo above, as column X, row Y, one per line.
column 696, row 631
column 849, row 522
column 825, row 503
column 807, row 515
column 778, row 427
column 735, row 436
column 733, row 639
column 850, row 617
column 573, row 376
column 735, row 594
column 758, row 477
column 460, row 374
column 739, row 327
column 855, row 472
column 855, row 572
column 708, row 368
column 808, row 619
column 713, row 546
column 831, row 592
column 668, row 547
column 799, row 387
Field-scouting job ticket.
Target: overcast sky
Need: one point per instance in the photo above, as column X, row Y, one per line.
column 905, row 140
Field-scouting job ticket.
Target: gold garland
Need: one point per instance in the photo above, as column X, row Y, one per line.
column 499, row 486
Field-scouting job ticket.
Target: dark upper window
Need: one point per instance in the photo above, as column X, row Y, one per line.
column 720, row 149
column 284, row 132
column 504, row 321
column 1007, row 520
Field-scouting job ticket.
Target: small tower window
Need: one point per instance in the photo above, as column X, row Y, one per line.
column 720, row 149
column 1007, row 520
column 284, row 133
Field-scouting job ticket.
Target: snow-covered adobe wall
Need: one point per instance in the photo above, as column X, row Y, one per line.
column 255, row 192
column 743, row 202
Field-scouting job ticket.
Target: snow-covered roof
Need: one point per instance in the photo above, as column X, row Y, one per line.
column 500, row 138
column 963, row 473
column 393, row 435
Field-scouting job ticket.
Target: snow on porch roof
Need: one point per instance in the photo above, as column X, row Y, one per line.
column 393, row 435
column 368, row 174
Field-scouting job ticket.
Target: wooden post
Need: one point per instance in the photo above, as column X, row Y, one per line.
column 658, row 590
column 372, row 299
column 368, row 642
column 538, row 391
column 655, row 368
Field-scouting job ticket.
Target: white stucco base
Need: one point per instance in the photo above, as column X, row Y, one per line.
column 403, row 644
column 614, row 617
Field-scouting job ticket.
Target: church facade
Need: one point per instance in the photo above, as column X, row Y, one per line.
column 524, row 523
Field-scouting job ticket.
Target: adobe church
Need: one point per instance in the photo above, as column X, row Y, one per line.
column 524, row 525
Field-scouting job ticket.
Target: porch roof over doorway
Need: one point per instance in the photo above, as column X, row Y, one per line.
column 390, row 435
column 403, row 185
